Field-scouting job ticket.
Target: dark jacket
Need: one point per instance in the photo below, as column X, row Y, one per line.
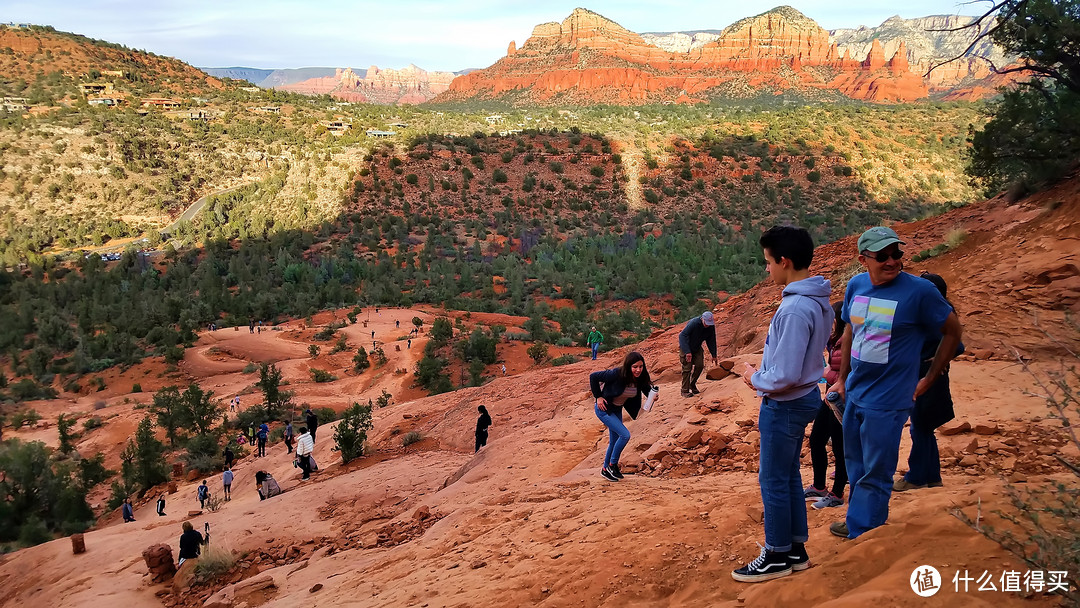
column 127, row 511
column 312, row 421
column 613, row 386
column 190, row 544
column 482, row 423
column 696, row 332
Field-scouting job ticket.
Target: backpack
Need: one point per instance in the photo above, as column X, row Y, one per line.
column 203, row 491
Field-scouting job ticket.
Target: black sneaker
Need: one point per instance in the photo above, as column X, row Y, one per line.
column 798, row 558
column 694, row 390
column 766, row 567
column 615, row 471
column 608, row 475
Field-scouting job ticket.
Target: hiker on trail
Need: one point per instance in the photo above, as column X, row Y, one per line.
column 482, row 424
column 129, row 514
column 228, row 456
column 697, row 330
column 312, row 423
column 615, row 389
column 226, row 482
column 504, row 369
column 373, row 334
column 161, row 505
column 288, row 436
column 397, row 324
column 827, row 428
column 251, row 326
column 790, row 398
column 409, row 343
column 932, row 409
column 594, row 341
column 241, row 439
column 235, row 403
column 204, row 494
column 251, row 434
column 262, row 434
column 191, row 542
column 889, row 314
column 304, row 446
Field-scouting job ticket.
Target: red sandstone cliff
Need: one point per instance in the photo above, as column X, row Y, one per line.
column 588, row 58
column 408, row 85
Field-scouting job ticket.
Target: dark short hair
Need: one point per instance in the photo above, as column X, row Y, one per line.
column 303, row 430
column 789, row 242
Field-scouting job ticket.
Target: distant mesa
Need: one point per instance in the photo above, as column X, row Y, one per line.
column 588, row 58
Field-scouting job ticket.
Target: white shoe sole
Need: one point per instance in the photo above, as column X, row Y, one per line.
column 760, row 578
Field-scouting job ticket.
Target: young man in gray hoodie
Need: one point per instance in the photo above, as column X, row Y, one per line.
column 791, row 366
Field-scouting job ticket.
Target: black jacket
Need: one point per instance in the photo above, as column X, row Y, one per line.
column 696, row 332
column 613, row 386
column 190, row 544
column 482, row 423
column 312, row 421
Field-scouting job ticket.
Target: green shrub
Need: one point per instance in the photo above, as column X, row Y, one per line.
column 313, row 350
column 564, row 360
column 321, row 375
column 136, row 388
column 92, row 423
column 360, row 360
column 538, row 352
column 351, row 432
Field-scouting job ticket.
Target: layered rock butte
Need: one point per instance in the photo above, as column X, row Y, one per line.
column 408, row 85
column 588, row 58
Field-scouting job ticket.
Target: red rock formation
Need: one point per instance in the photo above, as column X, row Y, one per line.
column 590, row 59
column 409, row 85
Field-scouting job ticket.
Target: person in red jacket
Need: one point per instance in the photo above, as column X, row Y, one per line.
column 827, row 426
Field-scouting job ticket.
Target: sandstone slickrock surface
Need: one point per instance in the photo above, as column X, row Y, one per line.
column 409, row 85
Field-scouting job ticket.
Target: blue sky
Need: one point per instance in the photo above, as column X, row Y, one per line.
column 435, row 35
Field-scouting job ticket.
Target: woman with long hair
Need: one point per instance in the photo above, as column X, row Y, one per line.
column 482, row 423
column 615, row 389
column 827, row 426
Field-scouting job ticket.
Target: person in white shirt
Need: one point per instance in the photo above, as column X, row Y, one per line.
column 304, row 446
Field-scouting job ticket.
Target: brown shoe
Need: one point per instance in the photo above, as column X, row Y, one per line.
column 688, row 394
column 903, row 485
column 839, row 528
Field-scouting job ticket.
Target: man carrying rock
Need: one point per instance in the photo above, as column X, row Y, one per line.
column 889, row 314
column 191, row 542
column 697, row 330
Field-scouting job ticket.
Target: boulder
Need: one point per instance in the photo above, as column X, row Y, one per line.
column 159, row 561
column 955, row 427
column 184, row 575
column 688, row 438
column 717, row 373
column 78, row 544
column 241, row 592
column 986, row 429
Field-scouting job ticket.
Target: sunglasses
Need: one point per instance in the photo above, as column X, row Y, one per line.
column 881, row 256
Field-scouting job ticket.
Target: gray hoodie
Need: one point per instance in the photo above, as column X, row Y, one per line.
column 794, row 349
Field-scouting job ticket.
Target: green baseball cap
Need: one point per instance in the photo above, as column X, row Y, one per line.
column 878, row 238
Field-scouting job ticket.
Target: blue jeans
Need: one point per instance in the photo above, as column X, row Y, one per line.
column 871, row 450
column 783, row 425
column 924, row 463
column 618, row 434
column 595, row 348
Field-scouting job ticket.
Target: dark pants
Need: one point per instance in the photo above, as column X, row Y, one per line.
column 481, row 439
column 932, row 409
column 826, row 427
column 692, row 371
column 305, row 465
column 262, row 447
column 288, row 445
column 312, row 431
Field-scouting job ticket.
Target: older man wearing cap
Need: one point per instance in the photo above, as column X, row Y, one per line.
column 697, row 330
column 889, row 313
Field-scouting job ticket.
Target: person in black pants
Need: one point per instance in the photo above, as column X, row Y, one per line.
column 482, row 424
column 827, row 426
column 312, row 423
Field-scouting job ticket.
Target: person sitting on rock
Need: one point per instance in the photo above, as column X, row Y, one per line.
column 191, row 542
column 161, row 505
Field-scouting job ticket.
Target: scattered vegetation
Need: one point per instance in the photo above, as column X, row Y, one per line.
column 351, row 432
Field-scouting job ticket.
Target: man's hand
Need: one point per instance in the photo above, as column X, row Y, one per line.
column 746, row 373
column 924, row 385
column 838, row 387
column 687, row 357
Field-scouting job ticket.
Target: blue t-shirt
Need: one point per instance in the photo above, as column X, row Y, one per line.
column 888, row 326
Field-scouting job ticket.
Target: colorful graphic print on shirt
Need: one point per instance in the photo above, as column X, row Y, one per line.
column 872, row 325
